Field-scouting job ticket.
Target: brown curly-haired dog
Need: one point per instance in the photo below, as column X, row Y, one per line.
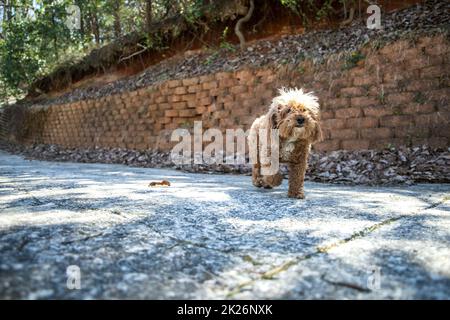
column 296, row 116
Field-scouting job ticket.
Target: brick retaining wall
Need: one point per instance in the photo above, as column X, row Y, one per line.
column 398, row 95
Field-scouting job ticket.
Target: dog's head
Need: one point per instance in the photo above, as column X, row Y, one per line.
column 296, row 115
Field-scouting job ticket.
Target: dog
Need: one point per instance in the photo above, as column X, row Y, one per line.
column 295, row 115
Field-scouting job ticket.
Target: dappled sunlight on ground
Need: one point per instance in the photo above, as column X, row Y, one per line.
column 214, row 236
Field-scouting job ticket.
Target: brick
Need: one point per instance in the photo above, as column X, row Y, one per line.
column 209, row 85
column 174, row 83
column 422, row 84
column 432, row 72
column 188, row 97
column 164, row 106
column 205, row 101
column 408, row 132
column 397, row 121
column 352, row 91
column 207, row 78
column 225, row 98
column 190, row 81
column 348, row 113
column 202, row 94
column 244, row 76
column 248, row 103
column 327, row 115
column 167, row 119
column 226, row 83
column 377, row 111
column 239, row 89
column 364, row 80
column 264, row 73
column 223, row 75
column 343, row 134
column 180, row 90
column 438, row 49
column 416, row 108
column 230, row 105
column 437, row 142
column 376, row 133
column 366, row 122
column 187, row 113
column 434, row 119
column 333, row 124
column 439, row 95
column 400, row 98
column 328, row 145
column 356, row 144
column 179, row 105
column 336, row 103
column 171, row 113
column 226, row 123
column 215, row 92
column 174, row 98
column 201, row 109
column 441, row 131
column 161, row 99
column 363, row 101
column 194, row 88
column 221, row 114
column 237, row 112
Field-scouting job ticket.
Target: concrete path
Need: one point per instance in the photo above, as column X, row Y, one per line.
column 214, row 236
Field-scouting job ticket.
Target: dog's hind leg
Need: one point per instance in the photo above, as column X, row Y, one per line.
column 272, row 181
column 256, row 175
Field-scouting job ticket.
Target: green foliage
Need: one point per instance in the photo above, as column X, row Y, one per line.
column 353, row 59
column 32, row 40
column 224, row 44
column 313, row 8
column 192, row 10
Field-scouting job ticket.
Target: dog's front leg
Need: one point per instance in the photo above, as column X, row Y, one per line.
column 296, row 180
column 297, row 171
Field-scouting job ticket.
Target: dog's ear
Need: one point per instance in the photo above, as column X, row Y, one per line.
column 274, row 117
column 317, row 133
column 274, row 120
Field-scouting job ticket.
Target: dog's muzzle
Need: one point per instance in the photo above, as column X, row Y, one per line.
column 300, row 122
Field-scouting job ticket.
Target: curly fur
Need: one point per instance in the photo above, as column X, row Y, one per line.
column 296, row 116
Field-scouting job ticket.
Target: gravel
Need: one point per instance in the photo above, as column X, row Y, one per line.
column 369, row 167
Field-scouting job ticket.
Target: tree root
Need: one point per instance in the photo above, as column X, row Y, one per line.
column 237, row 28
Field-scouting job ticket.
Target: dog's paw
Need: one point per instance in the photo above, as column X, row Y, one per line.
column 257, row 182
column 296, row 195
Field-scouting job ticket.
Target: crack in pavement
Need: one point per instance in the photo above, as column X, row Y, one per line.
column 269, row 275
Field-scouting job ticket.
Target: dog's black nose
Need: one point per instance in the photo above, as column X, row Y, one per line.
column 300, row 121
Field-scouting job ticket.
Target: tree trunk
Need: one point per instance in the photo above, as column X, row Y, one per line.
column 82, row 19
column 237, row 28
column 8, row 10
column 95, row 28
column 148, row 15
column 116, row 14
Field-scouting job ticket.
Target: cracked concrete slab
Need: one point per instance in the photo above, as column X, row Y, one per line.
column 215, row 236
